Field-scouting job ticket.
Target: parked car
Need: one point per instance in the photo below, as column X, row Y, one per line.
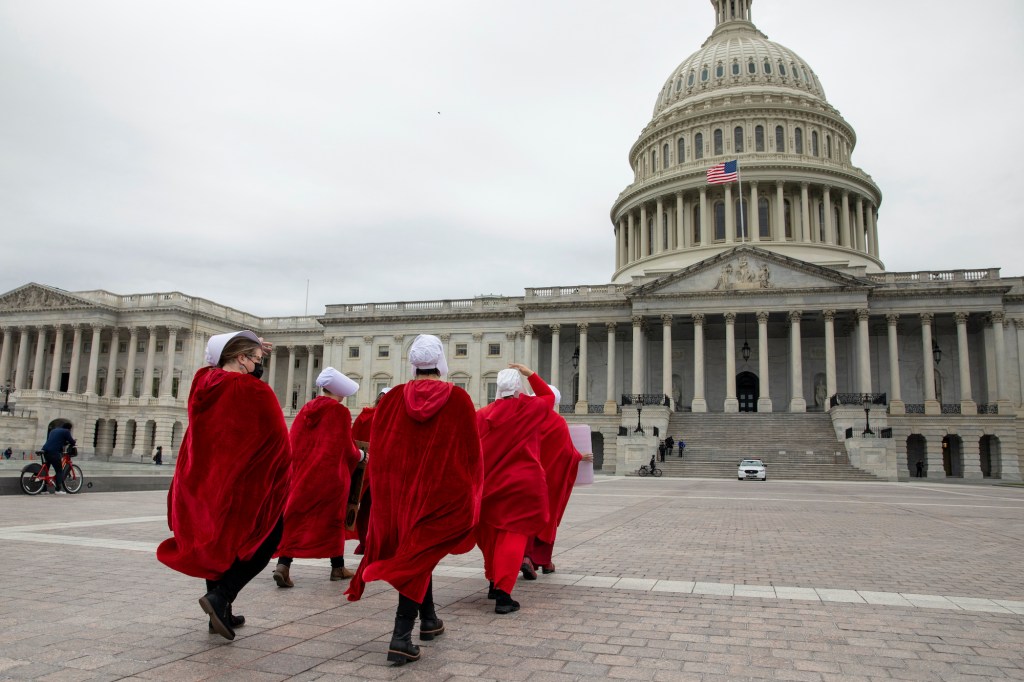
column 753, row 469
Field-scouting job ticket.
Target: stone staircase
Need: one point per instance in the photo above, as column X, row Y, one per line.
column 793, row 446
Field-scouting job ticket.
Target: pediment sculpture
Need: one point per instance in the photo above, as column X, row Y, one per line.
column 743, row 277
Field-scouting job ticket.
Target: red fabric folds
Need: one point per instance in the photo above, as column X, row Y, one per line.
column 426, row 475
column 515, row 494
column 323, row 459
column 560, row 460
column 361, row 427
column 231, row 479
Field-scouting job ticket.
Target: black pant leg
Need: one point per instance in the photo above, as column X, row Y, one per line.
column 57, row 470
column 241, row 572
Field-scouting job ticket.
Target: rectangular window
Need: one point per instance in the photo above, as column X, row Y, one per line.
column 463, row 384
column 119, row 386
column 101, row 385
column 156, row 387
column 297, row 361
column 493, row 349
column 141, row 347
column 492, row 391
column 174, row 386
column 379, row 386
column 461, row 350
column 178, row 346
column 104, row 348
column 137, row 387
column 316, row 363
column 159, row 346
column 87, row 346
column 383, row 351
column 122, row 347
column 353, row 351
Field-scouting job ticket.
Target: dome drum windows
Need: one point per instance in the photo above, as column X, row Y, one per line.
column 718, row 142
column 814, row 143
column 698, row 146
column 798, row 139
column 751, row 67
column 780, row 139
column 704, row 74
column 759, row 138
column 690, row 79
column 767, row 67
column 735, row 67
column 680, row 151
column 665, row 156
column 737, row 139
column 719, row 70
column 782, row 69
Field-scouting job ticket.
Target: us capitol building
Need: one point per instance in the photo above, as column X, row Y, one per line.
column 738, row 307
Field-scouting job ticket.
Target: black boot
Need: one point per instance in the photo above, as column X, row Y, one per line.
column 233, row 621
column 401, row 650
column 430, row 625
column 505, row 603
column 218, row 607
column 491, row 592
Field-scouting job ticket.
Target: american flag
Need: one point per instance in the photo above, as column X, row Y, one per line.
column 723, row 173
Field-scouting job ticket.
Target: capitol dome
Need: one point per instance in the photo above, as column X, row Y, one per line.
column 743, row 97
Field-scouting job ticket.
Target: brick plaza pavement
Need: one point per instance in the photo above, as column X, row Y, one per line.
column 658, row 579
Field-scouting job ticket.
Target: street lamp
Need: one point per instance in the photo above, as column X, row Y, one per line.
column 936, row 352
column 746, row 346
column 638, row 400
column 576, row 358
column 7, row 390
column 867, row 417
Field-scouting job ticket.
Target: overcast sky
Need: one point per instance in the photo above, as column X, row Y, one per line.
column 389, row 151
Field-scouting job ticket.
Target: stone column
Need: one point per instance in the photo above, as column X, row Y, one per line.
column 896, row 404
column 5, row 355
column 645, row 231
column 307, row 390
column 528, row 345
column 779, row 233
column 859, row 225
column 731, row 403
column 556, row 350
column 864, row 351
column 971, row 449
column 666, row 358
column 289, row 386
column 1018, row 323
column 797, row 403
column 705, row 238
column 753, row 226
column 620, row 247
column 1002, row 395
column 659, row 230
column 167, row 378
column 826, row 199
column 805, row 214
column 633, row 241
column 40, row 360
column 272, row 373
column 831, row 387
column 609, row 398
column 94, row 360
column 109, row 390
column 730, row 216
column 76, row 357
column 637, row 385
column 682, row 238
column 873, row 230
column 147, row 374
column 764, row 401
column 931, row 405
column 967, row 404
column 844, row 219
column 57, row 363
column 128, row 386
column 583, row 404
column 699, row 404
column 21, row 371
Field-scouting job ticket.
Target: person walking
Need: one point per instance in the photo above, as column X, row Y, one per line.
column 361, row 432
column 57, row 441
column 158, row 455
column 426, row 477
column 225, row 506
column 323, row 459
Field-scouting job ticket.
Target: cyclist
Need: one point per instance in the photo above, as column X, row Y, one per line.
column 57, row 440
column 653, row 465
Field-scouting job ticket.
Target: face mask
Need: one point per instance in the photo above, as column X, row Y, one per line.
column 257, row 371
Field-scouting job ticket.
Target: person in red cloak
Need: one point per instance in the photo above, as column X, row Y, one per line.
column 426, row 477
column 515, row 501
column 225, row 507
column 361, row 434
column 560, row 460
column 323, row 459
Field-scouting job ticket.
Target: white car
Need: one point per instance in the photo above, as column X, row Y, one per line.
column 753, row 469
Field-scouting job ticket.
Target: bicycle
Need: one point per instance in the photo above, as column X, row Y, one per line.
column 35, row 476
column 644, row 470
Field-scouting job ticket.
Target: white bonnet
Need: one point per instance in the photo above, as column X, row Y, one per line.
column 558, row 396
column 510, row 383
column 427, row 352
column 336, row 382
column 215, row 346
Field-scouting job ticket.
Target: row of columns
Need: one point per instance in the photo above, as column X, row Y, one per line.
column 797, row 401
column 78, row 331
column 633, row 241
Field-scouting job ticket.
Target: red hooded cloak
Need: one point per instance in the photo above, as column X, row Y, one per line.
column 515, row 493
column 426, row 475
column 323, row 458
column 231, row 479
column 560, row 460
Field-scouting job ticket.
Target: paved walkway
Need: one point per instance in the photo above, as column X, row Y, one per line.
column 658, row 579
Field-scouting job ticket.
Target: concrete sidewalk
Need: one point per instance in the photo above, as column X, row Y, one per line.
column 658, row 579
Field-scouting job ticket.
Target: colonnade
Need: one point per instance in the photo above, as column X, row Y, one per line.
column 802, row 214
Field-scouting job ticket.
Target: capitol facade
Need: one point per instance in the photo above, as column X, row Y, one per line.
column 754, row 302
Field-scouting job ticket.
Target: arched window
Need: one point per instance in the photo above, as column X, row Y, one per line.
column 696, row 224
column 689, row 80
column 751, row 67
column 654, row 160
column 814, row 142
column 737, row 139
column 780, row 139
column 718, row 142
column 742, row 220
column 782, row 69
column 719, row 221
column 796, row 72
column 645, row 167
column 719, row 70
column 828, row 145
column 679, row 83
column 763, row 228
column 759, row 138
column 788, row 218
column 698, row 146
column 680, row 151
column 798, row 138
column 704, row 75
column 767, row 66
column 665, row 156
column 735, row 67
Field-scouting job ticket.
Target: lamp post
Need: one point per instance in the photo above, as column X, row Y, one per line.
column 936, row 352
column 867, row 417
column 7, row 390
column 639, row 400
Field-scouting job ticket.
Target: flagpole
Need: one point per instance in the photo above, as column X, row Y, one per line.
column 743, row 213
